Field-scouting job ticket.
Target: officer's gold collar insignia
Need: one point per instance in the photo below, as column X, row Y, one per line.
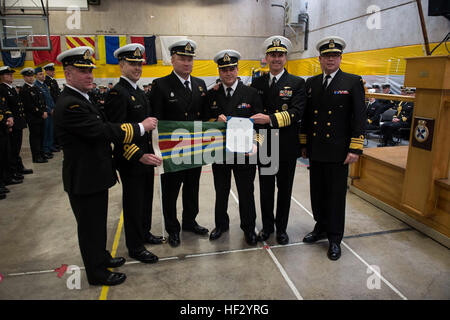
column 200, row 88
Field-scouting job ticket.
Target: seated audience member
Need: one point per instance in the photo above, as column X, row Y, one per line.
column 374, row 111
column 401, row 119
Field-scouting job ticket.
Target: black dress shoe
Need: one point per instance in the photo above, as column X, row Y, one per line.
column 153, row 239
column 197, row 229
column 263, row 235
column 48, row 155
column 40, row 160
column 13, row 181
column 282, row 238
column 250, row 237
column 115, row 262
column 4, row 190
column 334, row 251
column 18, row 176
column 174, row 239
column 113, row 279
column 26, row 171
column 314, row 236
column 217, row 233
column 144, row 256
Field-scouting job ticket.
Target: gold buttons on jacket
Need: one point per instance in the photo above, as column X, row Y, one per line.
column 314, row 134
column 329, row 112
column 316, row 111
column 327, row 135
column 315, row 122
column 185, row 114
column 328, row 124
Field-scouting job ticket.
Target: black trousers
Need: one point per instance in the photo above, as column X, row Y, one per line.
column 16, row 136
column 170, row 184
column 91, row 212
column 36, row 137
column 388, row 129
column 328, row 189
column 284, row 180
column 244, row 176
column 137, row 198
column 4, row 146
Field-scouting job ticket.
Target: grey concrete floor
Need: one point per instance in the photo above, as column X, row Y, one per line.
column 382, row 257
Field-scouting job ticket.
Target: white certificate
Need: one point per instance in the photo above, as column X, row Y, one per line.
column 239, row 135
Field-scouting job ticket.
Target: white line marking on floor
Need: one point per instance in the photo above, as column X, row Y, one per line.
column 277, row 263
column 359, row 258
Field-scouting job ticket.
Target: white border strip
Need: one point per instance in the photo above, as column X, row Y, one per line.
column 359, row 258
column 277, row 263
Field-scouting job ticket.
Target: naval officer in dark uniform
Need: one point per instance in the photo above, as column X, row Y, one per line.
column 332, row 137
column 233, row 98
column 135, row 161
column 16, row 168
column 284, row 100
column 6, row 122
column 50, row 81
column 88, row 170
column 54, row 90
column 180, row 97
column 36, row 113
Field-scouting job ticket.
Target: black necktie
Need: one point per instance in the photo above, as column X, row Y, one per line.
column 274, row 81
column 229, row 92
column 325, row 82
column 186, row 84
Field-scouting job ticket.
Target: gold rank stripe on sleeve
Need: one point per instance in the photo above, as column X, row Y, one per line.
column 283, row 119
column 357, row 143
column 130, row 150
column 302, row 138
column 128, row 128
column 1, row 117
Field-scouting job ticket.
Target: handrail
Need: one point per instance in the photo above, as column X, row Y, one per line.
column 395, row 97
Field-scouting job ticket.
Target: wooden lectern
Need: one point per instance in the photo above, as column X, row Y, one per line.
column 415, row 179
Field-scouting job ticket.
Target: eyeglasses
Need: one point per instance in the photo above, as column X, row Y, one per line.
column 330, row 56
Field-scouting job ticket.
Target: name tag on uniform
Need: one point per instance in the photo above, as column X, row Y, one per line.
column 341, row 92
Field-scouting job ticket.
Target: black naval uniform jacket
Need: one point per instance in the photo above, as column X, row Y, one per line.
column 85, row 136
column 126, row 104
column 244, row 103
column 53, row 87
column 33, row 102
column 5, row 113
column 285, row 105
column 170, row 100
column 405, row 113
column 15, row 104
column 334, row 121
column 374, row 111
